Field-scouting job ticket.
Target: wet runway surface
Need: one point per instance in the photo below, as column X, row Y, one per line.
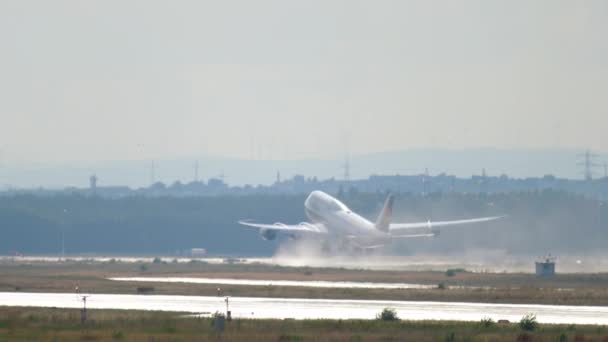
column 255, row 282
column 281, row 308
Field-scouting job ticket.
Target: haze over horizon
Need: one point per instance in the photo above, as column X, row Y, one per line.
column 462, row 163
column 96, row 81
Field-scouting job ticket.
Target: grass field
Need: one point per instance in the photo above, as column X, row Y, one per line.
column 33, row 324
column 568, row 289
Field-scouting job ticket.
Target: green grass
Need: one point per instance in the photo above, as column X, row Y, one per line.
column 38, row 324
column 588, row 289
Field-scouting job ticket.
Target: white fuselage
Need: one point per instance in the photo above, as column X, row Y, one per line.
column 341, row 222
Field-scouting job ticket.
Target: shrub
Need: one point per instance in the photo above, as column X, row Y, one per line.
column 487, row 322
column 528, row 322
column 218, row 321
column 118, row 335
column 143, row 267
column 388, row 314
column 145, row 289
column 452, row 271
column 218, row 314
column 441, row 286
column 156, row 260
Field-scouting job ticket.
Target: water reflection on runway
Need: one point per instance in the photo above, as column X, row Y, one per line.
column 281, row 308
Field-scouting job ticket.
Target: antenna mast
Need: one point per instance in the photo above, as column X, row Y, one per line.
column 152, row 172
column 425, row 180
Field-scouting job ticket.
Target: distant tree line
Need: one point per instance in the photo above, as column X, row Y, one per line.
column 300, row 185
column 539, row 222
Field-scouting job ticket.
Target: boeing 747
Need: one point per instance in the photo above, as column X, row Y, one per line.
column 331, row 220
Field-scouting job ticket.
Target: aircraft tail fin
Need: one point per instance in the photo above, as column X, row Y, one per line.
column 384, row 219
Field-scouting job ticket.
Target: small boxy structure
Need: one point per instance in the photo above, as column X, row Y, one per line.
column 546, row 267
column 198, row 252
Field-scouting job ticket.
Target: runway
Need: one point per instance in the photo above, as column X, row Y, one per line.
column 256, row 282
column 285, row 308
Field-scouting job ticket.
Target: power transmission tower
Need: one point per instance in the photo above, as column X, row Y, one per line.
column 196, row 171
column 347, row 171
column 152, row 172
column 588, row 164
column 425, row 181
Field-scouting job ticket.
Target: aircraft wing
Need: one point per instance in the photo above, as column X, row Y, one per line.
column 408, row 236
column 431, row 224
column 300, row 227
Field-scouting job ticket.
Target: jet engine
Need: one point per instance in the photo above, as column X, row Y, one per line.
column 268, row 234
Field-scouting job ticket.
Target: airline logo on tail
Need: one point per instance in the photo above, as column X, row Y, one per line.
column 384, row 219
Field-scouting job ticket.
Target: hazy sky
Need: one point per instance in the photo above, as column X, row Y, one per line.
column 109, row 80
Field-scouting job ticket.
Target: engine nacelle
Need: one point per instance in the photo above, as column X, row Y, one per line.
column 436, row 232
column 268, row 234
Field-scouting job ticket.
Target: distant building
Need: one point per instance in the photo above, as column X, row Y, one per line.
column 93, row 183
column 198, row 252
column 546, row 267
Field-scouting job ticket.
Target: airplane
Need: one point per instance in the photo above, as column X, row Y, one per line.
column 332, row 220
